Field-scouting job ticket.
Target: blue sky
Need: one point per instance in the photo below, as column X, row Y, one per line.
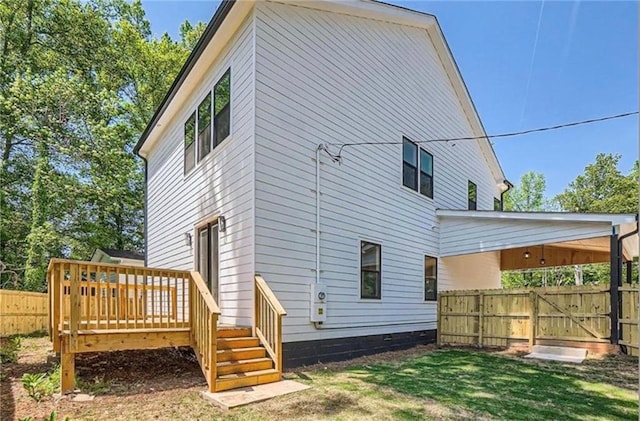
column 526, row 64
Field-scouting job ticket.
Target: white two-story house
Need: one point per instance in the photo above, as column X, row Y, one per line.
column 303, row 141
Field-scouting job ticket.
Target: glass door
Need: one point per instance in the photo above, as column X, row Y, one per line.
column 208, row 256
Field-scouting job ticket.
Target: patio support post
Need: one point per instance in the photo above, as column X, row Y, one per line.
column 615, row 283
column 629, row 271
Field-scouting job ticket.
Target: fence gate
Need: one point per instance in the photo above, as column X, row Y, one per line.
column 502, row 317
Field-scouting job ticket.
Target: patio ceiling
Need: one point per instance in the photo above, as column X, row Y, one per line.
column 568, row 238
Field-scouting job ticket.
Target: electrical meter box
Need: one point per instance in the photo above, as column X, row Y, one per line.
column 318, row 303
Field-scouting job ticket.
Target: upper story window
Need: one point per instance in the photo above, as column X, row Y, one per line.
column 199, row 135
column 430, row 278
column 190, row 143
column 370, row 270
column 222, row 108
column 417, row 168
column 497, row 204
column 472, row 194
column 204, row 127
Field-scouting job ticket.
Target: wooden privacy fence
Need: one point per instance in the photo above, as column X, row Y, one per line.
column 23, row 312
column 502, row 317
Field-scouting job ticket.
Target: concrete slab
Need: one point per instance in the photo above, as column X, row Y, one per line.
column 246, row 395
column 558, row 353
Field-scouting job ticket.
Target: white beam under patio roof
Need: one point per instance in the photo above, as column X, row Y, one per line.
column 467, row 232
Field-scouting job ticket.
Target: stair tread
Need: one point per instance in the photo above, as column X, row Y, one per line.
column 232, row 350
column 238, row 338
column 247, row 361
column 248, row 374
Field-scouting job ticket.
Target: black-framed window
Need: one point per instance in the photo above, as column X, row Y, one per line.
column 204, row 127
column 430, row 278
column 370, row 270
column 417, row 168
column 472, row 193
column 199, row 137
column 497, row 204
column 190, row 143
column 222, row 108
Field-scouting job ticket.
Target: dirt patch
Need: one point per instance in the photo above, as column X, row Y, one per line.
column 123, row 383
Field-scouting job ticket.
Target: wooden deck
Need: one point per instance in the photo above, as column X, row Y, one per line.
column 103, row 307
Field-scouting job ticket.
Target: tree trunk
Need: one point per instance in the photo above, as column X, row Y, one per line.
column 578, row 274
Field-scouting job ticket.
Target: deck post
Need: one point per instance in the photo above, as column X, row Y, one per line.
column 629, row 272
column 67, row 367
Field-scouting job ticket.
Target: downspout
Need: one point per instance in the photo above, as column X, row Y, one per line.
column 618, row 276
column 146, row 197
column 509, row 187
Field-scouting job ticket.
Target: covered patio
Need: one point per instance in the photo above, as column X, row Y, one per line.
column 535, row 240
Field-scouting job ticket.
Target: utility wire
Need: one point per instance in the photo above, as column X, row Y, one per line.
column 495, row 136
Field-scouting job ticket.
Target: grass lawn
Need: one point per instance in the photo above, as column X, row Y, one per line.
column 418, row 384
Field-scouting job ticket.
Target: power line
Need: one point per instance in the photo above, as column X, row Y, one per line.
column 495, row 136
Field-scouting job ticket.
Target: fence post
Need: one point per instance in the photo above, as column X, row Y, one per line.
column 533, row 318
column 481, row 319
column 439, row 321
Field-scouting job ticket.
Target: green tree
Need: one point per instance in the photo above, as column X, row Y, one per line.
column 603, row 188
column 79, row 80
column 528, row 195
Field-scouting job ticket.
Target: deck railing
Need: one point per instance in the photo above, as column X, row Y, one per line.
column 204, row 327
column 268, row 320
column 88, row 296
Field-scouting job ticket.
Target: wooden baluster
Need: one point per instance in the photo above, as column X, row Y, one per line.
column 127, row 292
column 74, row 317
column 98, row 299
column 84, row 294
column 57, row 306
column 145, row 299
column 174, row 302
column 136, row 308
column 182, row 299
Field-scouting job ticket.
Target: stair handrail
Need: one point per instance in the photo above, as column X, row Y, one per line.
column 267, row 321
column 203, row 315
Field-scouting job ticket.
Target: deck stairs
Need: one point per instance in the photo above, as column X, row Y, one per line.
column 96, row 307
column 242, row 360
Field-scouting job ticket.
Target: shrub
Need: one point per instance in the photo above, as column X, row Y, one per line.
column 39, row 385
column 9, row 348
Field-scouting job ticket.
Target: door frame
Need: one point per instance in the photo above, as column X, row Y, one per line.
column 202, row 223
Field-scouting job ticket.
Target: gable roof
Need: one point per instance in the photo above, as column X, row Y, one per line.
column 373, row 9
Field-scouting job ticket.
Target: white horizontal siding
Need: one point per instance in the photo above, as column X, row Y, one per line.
column 324, row 77
column 221, row 184
column 460, row 235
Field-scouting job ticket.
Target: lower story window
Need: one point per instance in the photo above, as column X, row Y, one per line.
column 370, row 270
column 430, row 278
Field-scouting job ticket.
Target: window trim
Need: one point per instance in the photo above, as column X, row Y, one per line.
column 213, row 110
column 198, row 157
column 194, row 143
column 214, row 149
column 424, row 278
column 469, row 201
column 375, row 243
column 418, row 169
